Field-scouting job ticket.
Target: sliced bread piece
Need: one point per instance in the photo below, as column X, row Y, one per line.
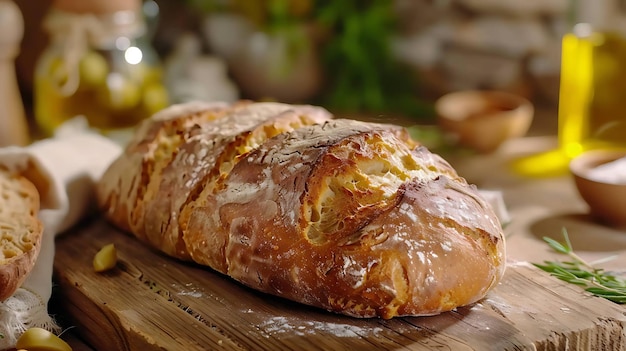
column 20, row 231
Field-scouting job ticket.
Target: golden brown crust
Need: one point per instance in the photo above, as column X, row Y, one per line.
column 20, row 231
column 154, row 143
column 348, row 216
column 181, row 151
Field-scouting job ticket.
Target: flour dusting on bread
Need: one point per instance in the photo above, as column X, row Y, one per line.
column 352, row 217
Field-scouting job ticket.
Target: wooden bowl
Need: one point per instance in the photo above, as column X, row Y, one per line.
column 606, row 198
column 483, row 120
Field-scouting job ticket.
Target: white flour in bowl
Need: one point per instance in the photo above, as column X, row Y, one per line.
column 613, row 172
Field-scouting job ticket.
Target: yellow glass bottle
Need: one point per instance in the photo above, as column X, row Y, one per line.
column 98, row 65
column 592, row 99
column 592, row 94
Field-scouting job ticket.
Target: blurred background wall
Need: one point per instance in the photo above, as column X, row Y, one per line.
column 368, row 56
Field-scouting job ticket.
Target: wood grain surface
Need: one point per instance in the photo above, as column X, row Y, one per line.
column 152, row 302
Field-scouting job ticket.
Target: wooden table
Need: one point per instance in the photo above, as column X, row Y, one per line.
column 152, row 302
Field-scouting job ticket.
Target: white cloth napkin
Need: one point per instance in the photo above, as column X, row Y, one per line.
column 64, row 169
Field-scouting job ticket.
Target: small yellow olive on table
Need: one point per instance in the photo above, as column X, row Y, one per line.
column 105, row 259
column 39, row 339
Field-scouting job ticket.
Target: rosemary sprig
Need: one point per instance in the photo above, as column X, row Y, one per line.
column 577, row 271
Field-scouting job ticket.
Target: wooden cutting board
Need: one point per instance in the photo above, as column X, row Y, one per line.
column 152, row 302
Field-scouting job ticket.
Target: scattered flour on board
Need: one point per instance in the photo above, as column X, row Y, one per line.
column 190, row 291
column 282, row 325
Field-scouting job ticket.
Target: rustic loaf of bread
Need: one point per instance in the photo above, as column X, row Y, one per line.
column 20, row 231
column 348, row 216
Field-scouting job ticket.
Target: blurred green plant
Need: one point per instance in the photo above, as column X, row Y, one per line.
column 360, row 70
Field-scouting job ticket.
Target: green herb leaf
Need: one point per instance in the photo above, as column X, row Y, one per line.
column 557, row 246
column 595, row 280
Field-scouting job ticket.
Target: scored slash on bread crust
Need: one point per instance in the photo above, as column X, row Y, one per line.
column 20, row 231
column 348, row 216
column 179, row 153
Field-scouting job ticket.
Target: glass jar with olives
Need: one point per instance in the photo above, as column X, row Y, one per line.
column 99, row 64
